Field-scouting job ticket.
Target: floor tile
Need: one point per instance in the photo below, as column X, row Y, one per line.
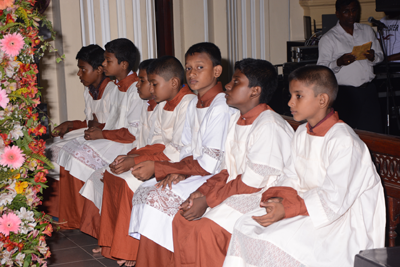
column 57, row 242
column 108, row 262
column 70, row 232
column 68, row 256
column 88, row 263
column 83, row 239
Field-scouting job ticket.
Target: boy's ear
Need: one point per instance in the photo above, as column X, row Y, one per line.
column 100, row 69
column 324, row 100
column 217, row 71
column 125, row 64
column 255, row 91
column 175, row 82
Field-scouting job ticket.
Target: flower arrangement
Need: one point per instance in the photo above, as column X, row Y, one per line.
column 23, row 165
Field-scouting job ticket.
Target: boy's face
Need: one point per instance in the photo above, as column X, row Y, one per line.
column 238, row 91
column 110, row 65
column 161, row 89
column 87, row 75
column 201, row 75
column 143, row 86
column 304, row 105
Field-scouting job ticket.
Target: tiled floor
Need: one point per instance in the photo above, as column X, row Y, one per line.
column 74, row 248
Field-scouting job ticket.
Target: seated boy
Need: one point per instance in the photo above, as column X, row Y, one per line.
column 257, row 148
column 96, row 95
column 80, row 157
column 329, row 203
column 166, row 76
column 93, row 187
column 204, row 134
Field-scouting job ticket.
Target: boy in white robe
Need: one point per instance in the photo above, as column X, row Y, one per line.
column 92, row 190
column 165, row 75
column 97, row 105
column 80, row 157
column 157, row 200
column 329, row 203
column 256, row 150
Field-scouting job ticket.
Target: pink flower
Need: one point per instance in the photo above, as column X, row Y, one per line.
column 9, row 223
column 5, row 3
column 12, row 157
column 3, row 98
column 12, row 43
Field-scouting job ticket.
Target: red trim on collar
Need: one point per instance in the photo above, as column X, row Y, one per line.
column 206, row 100
column 124, row 84
column 322, row 127
column 171, row 105
column 251, row 115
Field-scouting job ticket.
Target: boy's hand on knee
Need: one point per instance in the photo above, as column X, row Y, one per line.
column 144, row 170
column 197, row 210
column 122, row 163
column 173, row 178
column 93, row 133
column 275, row 212
column 62, row 129
column 189, row 202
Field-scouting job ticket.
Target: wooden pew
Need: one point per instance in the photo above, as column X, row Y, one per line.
column 385, row 151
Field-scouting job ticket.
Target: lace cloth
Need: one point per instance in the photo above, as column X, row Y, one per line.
column 263, row 170
column 84, row 154
column 177, row 147
column 214, row 153
column 330, row 214
column 244, row 203
column 134, row 124
column 163, row 200
column 259, row 253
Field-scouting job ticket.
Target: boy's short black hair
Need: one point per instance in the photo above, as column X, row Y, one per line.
column 92, row 54
column 145, row 64
column 341, row 3
column 260, row 73
column 209, row 48
column 167, row 67
column 124, row 50
column 321, row 78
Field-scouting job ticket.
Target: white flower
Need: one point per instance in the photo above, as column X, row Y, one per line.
column 26, row 228
column 12, row 86
column 42, row 247
column 6, row 198
column 20, row 259
column 23, row 214
column 1, row 111
column 6, row 257
column 17, row 131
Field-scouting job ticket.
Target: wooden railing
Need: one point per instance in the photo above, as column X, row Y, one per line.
column 385, row 151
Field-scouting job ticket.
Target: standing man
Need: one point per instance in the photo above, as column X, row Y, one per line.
column 357, row 100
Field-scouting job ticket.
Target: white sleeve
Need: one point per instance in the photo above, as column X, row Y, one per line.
column 88, row 105
column 266, row 155
column 348, row 174
column 325, row 54
column 134, row 112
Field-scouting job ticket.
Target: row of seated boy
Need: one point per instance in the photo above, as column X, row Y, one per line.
column 165, row 177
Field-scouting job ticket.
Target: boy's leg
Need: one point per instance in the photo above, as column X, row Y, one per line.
column 199, row 243
column 152, row 254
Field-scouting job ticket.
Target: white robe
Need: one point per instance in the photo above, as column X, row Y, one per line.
column 100, row 107
column 259, row 152
column 81, row 158
column 344, row 197
column 203, row 137
column 93, row 187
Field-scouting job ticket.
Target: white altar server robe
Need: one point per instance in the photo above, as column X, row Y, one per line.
column 343, row 195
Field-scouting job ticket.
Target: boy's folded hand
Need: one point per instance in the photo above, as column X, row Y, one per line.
column 172, row 178
column 94, row 122
column 93, row 133
column 143, row 170
column 62, row 129
column 196, row 210
column 122, row 163
column 275, row 212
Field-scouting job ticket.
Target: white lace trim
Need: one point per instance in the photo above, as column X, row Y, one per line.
column 84, row 154
column 244, row 203
column 328, row 211
column 163, row 200
column 177, row 147
column 263, row 170
column 259, row 253
column 134, row 124
column 214, row 153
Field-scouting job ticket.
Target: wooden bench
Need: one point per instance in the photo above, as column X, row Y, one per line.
column 385, row 151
